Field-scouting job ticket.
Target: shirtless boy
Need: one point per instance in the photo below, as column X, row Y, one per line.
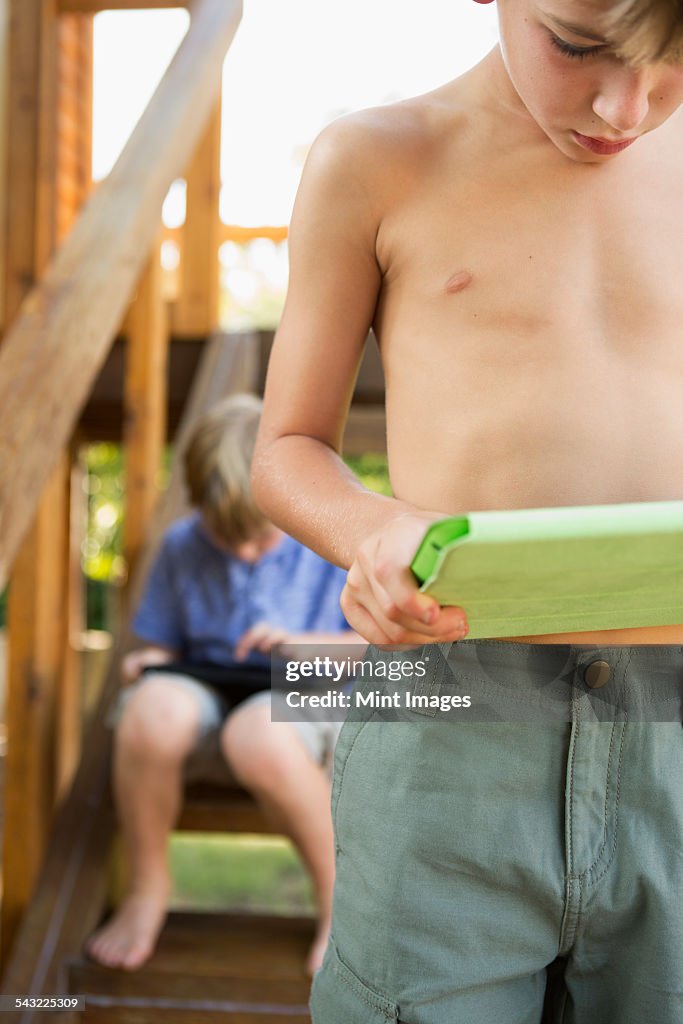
column 515, row 240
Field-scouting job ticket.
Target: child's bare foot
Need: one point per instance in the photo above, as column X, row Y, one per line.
column 317, row 950
column 128, row 939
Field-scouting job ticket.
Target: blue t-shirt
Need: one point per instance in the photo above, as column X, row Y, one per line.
column 199, row 600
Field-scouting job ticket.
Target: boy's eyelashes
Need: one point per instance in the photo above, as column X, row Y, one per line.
column 569, row 50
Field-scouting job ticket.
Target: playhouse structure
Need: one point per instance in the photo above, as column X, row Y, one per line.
column 94, row 348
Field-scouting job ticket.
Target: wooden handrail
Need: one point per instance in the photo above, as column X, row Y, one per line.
column 233, row 233
column 54, row 349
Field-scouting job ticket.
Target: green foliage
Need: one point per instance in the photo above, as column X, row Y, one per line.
column 372, row 470
column 239, row 872
column 102, row 553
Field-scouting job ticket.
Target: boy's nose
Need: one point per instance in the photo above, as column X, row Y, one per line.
column 623, row 101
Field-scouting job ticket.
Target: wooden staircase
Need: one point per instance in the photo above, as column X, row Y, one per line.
column 237, row 969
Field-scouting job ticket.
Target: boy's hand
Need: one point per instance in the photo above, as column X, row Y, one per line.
column 134, row 662
column 381, row 599
column 262, row 637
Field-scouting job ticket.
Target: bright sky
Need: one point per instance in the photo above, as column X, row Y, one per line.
column 294, row 66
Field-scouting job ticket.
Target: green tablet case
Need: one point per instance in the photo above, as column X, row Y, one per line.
column 527, row 572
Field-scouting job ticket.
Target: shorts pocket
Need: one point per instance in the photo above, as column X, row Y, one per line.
column 350, row 731
column 338, row 994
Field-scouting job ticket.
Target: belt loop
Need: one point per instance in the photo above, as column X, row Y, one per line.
column 429, row 685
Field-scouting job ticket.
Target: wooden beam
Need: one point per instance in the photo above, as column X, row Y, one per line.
column 36, row 629
column 4, row 62
column 95, row 6
column 52, row 353
column 234, row 233
column 144, row 406
column 36, row 603
column 195, row 314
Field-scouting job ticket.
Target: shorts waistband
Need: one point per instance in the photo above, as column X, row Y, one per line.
column 537, row 682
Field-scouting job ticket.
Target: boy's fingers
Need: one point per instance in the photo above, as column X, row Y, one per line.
column 261, row 637
column 397, row 581
column 365, row 622
column 424, row 617
column 270, row 639
column 365, row 609
column 246, row 642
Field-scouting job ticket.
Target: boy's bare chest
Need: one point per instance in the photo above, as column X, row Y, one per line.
column 545, row 271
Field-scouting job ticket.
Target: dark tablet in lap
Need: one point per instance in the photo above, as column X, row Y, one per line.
column 234, row 683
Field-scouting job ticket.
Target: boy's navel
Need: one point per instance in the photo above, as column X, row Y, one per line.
column 458, row 282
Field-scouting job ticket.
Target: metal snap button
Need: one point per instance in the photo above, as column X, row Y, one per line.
column 597, row 674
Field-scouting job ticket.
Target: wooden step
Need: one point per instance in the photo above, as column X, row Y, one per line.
column 164, row 1012
column 239, row 967
column 213, row 808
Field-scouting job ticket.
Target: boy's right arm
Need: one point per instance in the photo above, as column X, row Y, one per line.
column 299, row 478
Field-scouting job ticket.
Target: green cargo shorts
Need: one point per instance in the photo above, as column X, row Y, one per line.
column 536, row 832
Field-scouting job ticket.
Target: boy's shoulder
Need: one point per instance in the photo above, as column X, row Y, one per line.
column 394, row 135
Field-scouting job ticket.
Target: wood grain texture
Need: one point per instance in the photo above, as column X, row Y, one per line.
column 61, row 336
column 95, row 6
column 214, row 808
column 195, row 313
column 74, row 119
column 30, row 212
column 145, row 406
column 225, row 955
column 4, row 141
column 36, row 627
column 36, row 608
column 68, row 710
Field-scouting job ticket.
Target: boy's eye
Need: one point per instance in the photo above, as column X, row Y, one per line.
column 574, row 51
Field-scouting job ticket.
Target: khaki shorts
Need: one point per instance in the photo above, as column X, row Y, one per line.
column 476, row 848
column 206, row 762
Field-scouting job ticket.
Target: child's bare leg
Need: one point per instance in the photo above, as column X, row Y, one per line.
column 270, row 761
column 157, row 731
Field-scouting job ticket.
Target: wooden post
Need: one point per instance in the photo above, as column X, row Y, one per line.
column 31, row 122
column 68, row 712
column 4, row 26
column 74, row 124
column 145, row 406
column 72, row 186
column 36, row 599
column 36, row 623
column 196, row 312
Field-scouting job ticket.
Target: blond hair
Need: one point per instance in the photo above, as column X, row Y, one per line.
column 217, row 466
column 645, row 31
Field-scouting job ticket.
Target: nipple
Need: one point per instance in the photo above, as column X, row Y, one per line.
column 458, row 282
